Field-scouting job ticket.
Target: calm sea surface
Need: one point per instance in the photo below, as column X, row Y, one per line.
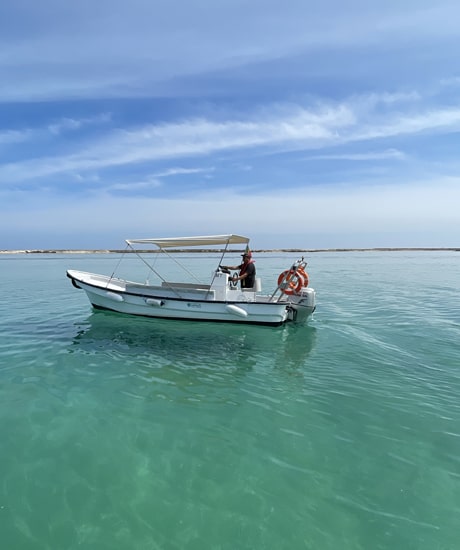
column 134, row 434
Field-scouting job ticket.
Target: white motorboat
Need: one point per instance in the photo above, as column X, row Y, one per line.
column 218, row 300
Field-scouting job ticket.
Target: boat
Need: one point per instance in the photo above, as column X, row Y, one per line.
column 218, row 300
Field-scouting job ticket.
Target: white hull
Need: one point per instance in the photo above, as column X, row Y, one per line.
column 218, row 303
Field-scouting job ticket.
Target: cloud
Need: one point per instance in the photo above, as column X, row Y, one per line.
column 190, row 138
column 14, row 136
column 131, row 187
column 440, row 119
column 283, row 128
column 65, row 124
column 453, row 81
column 56, row 128
column 182, row 171
column 55, row 52
column 370, row 156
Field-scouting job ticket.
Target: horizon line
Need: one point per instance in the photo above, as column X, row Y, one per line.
column 205, row 250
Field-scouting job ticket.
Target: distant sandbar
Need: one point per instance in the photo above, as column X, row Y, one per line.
column 259, row 251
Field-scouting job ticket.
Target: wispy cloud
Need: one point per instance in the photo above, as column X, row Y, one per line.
column 453, row 81
column 132, row 186
column 65, row 124
column 60, row 57
column 182, row 172
column 190, row 138
column 292, row 128
column 14, row 136
column 388, row 154
column 438, row 119
column 35, row 135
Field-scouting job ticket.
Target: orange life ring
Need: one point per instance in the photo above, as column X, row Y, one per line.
column 304, row 275
column 290, row 282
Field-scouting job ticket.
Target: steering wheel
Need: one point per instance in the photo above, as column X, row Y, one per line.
column 233, row 282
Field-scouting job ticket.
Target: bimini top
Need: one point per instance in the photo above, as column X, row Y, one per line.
column 179, row 242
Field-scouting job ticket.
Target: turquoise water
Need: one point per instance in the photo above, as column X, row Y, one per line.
column 126, row 433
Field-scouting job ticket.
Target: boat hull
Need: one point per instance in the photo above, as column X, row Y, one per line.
column 143, row 300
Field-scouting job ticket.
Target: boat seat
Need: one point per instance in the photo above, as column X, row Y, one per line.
column 194, row 286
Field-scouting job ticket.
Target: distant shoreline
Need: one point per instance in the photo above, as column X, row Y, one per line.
column 260, row 251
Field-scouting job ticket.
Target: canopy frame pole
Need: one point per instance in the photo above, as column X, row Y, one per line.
column 153, row 270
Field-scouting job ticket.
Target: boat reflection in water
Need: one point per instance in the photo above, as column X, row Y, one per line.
column 150, row 345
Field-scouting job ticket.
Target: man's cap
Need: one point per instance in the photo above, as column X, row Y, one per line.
column 248, row 254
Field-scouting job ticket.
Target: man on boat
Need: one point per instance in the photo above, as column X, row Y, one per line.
column 247, row 274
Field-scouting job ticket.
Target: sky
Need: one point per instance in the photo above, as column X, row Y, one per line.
column 299, row 124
